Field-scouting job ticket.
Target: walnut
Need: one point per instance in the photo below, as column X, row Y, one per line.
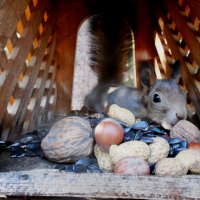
column 186, row 131
column 68, row 140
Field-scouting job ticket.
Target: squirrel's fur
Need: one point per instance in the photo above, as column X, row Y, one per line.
column 111, row 49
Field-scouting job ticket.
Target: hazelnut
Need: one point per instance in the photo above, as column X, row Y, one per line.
column 108, row 132
column 132, row 165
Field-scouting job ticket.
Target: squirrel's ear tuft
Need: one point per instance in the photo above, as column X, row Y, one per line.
column 175, row 74
column 145, row 74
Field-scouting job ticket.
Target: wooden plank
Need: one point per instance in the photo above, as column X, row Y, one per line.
column 185, row 74
column 10, row 13
column 185, row 31
column 51, row 182
column 15, row 65
column 31, row 82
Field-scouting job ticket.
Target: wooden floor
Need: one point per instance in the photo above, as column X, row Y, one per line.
column 30, row 177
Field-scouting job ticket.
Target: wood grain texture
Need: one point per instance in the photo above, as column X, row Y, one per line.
column 44, row 112
column 10, row 13
column 185, row 74
column 51, row 182
column 14, row 66
column 39, row 54
column 41, row 90
column 182, row 26
column 194, row 6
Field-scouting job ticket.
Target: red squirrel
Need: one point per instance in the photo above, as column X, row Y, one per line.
column 162, row 101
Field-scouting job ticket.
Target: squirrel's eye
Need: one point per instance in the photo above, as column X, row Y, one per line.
column 156, row 98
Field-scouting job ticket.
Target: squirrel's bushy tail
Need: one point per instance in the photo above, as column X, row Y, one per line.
column 111, row 44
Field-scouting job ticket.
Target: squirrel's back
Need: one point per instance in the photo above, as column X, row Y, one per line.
column 162, row 101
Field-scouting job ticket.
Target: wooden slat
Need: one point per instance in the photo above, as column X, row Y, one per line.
column 185, row 74
column 15, row 66
column 163, row 57
column 19, row 92
column 185, row 31
column 3, row 60
column 51, row 87
column 195, row 7
column 10, row 14
column 32, row 80
column 44, row 111
column 42, row 87
column 51, row 107
column 184, row 6
column 49, row 182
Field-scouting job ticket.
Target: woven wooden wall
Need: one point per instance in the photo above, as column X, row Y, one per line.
column 27, row 65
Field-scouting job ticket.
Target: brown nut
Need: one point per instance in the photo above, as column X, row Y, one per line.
column 108, row 132
column 132, row 165
column 186, row 131
column 194, row 146
column 121, row 114
column 68, row 140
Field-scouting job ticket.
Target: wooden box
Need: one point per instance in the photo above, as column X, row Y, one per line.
column 37, row 51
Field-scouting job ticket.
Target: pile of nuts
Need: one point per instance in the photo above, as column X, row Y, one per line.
column 124, row 145
column 143, row 149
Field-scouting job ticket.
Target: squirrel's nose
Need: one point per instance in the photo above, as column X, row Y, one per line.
column 180, row 116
